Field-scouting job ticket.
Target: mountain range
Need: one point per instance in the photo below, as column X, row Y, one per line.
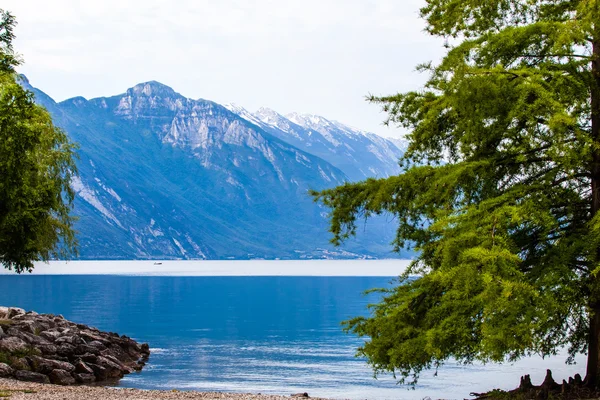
column 162, row 176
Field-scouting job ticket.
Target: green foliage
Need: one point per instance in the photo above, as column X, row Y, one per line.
column 36, row 167
column 497, row 190
column 5, row 358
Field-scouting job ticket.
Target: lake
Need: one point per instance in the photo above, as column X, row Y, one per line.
column 248, row 326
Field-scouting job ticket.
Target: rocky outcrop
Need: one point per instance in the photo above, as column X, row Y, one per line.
column 47, row 348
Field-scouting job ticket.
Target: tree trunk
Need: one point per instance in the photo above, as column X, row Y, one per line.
column 592, row 372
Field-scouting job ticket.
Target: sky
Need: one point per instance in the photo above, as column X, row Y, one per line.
column 309, row 56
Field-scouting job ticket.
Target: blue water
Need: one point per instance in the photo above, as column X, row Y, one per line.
column 245, row 334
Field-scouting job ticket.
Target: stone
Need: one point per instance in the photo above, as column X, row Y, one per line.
column 50, row 335
column 65, row 349
column 68, row 339
column 31, row 338
column 100, row 372
column 63, row 352
column 13, row 345
column 113, row 370
column 45, row 366
column 99, row 346
column 6, row 370
column 61, row 377
column 29, row 376
column 33, row 327
column 88, row 358
column 82, row 368
column 47, row 349
column 14, row 311
column 85, row 378
column 4, row 312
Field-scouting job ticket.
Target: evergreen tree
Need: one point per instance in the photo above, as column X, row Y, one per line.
column 499, row 192
column 36, row 166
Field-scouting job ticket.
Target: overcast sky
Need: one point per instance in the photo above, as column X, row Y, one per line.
column 309, row 56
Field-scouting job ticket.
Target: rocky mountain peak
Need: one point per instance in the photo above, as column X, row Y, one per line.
column 268, row 115
column 152, row 89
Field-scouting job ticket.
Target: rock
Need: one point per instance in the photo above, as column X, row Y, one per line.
column 113, row 370
column 100, row 372
column 14, row 311
column 2, row 334
column 61, row 377
column 86, row 349
column 47, row 349
column 5, row 370
column 82, row 368
column 99, row 346
column 301, row 395
column 29, row 337
column 33, row 327
column 64, row 352
column 71, row 339
column 45, row 366
column 4, row 312
column 29, row 376
column 85, row 378
column 89, row 358
column 13, row 345
column 65, row 349
column 50, row 335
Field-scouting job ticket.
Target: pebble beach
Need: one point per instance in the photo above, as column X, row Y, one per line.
column 17, row 390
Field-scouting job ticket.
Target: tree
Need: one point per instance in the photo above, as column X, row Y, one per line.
column 36, row 167
column 499, row 192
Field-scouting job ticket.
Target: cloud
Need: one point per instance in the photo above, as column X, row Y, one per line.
column 318, row 56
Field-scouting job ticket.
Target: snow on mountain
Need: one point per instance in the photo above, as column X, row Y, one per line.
column 359, row 154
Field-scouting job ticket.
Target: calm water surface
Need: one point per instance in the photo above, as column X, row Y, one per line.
column 268, row 334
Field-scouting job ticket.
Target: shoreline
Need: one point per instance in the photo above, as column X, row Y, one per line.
column 18, row 390
column 388, row 268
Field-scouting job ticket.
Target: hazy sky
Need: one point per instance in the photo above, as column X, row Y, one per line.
column 310, row 56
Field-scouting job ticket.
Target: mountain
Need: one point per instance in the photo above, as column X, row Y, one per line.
column 359, row 154
column 164, row 176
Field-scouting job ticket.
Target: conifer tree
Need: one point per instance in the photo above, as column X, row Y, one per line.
column 499, row 192
column 36, row 166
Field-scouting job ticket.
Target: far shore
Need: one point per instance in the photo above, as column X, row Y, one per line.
column 363, row 268
column 17, row 390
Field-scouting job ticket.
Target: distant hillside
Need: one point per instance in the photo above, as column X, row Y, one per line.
column 163, row 176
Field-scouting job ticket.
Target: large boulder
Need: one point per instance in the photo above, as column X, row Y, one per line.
column 13, row 345
column 82, row 368
column 50, row 335
column 61, row 377
column 85, row 378
column 45, row 366
column 30, row 376
column 100, row 372
column 4, row 311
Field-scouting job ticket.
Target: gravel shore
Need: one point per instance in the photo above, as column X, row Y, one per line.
column 17, row 390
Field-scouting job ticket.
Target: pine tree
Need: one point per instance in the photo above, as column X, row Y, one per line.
column 36, row 166
column 499, row 192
